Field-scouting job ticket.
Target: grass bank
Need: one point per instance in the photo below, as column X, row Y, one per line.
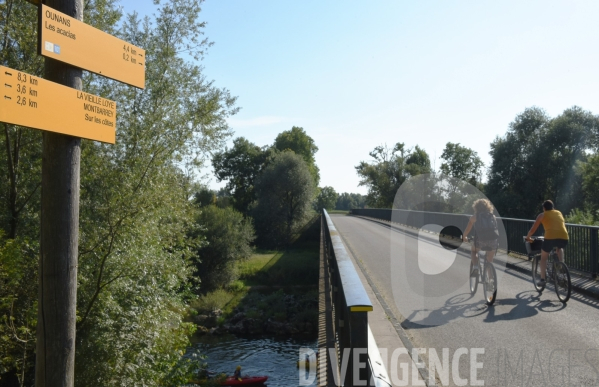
column 277, row 292
column 342, row 212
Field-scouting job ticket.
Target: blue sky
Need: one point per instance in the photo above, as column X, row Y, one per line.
column 356, row 75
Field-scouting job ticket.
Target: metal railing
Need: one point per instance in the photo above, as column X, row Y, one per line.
column 351, row 305
column 582, row 252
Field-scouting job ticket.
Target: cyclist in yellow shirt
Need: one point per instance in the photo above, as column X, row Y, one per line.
column 556, row 235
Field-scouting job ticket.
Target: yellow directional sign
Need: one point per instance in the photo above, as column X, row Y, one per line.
column 69, row 40
column 30, row 101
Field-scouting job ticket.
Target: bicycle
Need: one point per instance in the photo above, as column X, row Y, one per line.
column 486, row 275
column 557, row 272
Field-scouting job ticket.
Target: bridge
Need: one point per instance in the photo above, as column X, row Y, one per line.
column 419, row 333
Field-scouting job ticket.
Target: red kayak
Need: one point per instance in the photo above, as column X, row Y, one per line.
column 246, row 380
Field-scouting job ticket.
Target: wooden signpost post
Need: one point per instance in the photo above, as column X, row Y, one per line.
column 66, row 114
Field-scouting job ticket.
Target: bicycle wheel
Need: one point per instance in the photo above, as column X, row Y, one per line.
column 473, row 280
column 563, row 284
column 490, row 283
column 536, row 273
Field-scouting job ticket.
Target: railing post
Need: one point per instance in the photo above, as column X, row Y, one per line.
column 594, row 258
column 339, row 312
column 358, row 371
column 507, row 235
column 345, row 341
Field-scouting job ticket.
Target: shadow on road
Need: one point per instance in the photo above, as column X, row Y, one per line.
column 526, row 304
column 576, row 296
column 587, row 300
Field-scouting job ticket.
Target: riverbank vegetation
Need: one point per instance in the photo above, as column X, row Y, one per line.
column 152, row 240
column 276, row 292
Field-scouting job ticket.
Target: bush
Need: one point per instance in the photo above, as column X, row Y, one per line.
column 585, row 217
column 212, row 301
column 227, row 237
column 236, row 286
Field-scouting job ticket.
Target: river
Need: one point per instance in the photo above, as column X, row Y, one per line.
column 275, row 357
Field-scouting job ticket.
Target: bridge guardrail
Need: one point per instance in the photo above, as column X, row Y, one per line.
column 351, row 305
column 377, row 368
column 583, row 246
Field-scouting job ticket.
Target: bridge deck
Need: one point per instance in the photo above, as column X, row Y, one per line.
column 525, row 336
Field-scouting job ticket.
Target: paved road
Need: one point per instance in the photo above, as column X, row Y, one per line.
column 528, row 340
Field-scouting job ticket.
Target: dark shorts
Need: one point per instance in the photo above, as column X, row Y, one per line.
column 549, row 244
column 489, row 245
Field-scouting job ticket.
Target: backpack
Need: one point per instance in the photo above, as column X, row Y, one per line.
column 486, row 227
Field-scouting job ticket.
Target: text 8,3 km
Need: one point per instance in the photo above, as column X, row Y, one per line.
column 37, row 103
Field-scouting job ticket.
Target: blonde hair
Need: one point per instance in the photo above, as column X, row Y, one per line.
column 482, row 205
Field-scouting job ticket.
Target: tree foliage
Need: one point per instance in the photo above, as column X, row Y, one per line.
column 18, row 318
column 390, row 168
column 348, row 201
column 539, row 158
column 327, row 198
column 298, row 141
column 240, row 166
column 227, row 237
column 462, row 163
column 135, row 258
column 20, row 150
column 284, row 194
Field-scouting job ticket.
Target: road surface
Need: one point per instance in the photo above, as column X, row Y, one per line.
column 528, row 339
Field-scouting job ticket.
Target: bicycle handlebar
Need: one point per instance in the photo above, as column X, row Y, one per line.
column 538, row 238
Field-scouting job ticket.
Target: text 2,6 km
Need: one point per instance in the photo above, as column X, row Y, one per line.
column 22, row 101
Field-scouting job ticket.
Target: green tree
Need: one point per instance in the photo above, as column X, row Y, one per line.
column 18, row 282
column 20, row 148
column 327, row 198
column 462, row 163
column 240, row 166
column 391, row 167
column 204, row 197
column 228, row 237
column 539, row 159
column 348, row 201
column 580, row 216
column 570, row 139
column 590, row 183
column 20, row 163
column 299, row 142
column 135, row 258
column 284, row 194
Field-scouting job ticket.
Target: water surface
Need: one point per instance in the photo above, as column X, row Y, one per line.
column 270, row 356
